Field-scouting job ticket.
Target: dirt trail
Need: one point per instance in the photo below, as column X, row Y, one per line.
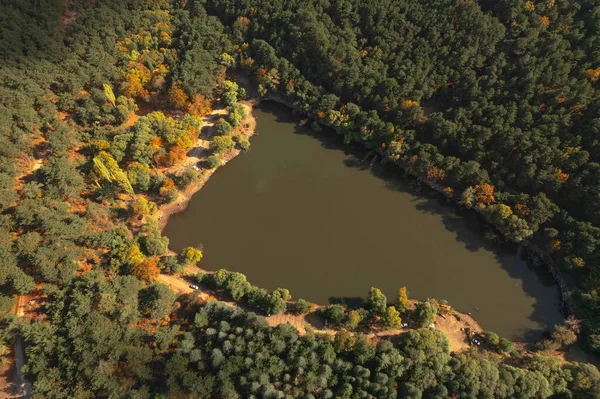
column 69, row 15
column 12, row 383
column 448, row 324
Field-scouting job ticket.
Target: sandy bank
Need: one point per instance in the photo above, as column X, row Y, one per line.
column 198, row 154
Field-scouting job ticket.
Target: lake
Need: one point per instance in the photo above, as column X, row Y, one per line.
column 301, row 211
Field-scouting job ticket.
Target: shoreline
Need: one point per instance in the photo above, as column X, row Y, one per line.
column 446, row 321
column 567, row 305
column 199, row 153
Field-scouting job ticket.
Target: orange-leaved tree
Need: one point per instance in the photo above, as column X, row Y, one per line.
column 147, row 270
column 484, row 193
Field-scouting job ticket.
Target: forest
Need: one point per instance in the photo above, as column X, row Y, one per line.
column 100, row 102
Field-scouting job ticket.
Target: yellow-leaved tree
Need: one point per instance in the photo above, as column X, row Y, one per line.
column 110, row 95
column 108, row 169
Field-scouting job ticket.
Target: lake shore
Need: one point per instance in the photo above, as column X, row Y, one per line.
column 450, row 322
column 199, row 154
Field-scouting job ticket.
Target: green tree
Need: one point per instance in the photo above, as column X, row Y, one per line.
column 425, row 313
column 377, row 302
column 160, row 301
column 302, row 306
column 221, row 144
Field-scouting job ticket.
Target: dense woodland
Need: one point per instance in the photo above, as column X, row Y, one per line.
column 497, row 102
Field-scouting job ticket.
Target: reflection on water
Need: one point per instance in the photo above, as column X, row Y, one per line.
column 298, row 211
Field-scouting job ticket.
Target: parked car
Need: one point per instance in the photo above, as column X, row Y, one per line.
column 194, row 287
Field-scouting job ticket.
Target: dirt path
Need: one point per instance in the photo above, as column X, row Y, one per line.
column 448, row 323
column 69, row 15
column 12, row 383
column 198, row 154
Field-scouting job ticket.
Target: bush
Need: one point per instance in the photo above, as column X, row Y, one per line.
column 191, row 255
column 222, row 144
column 491, row 338
column 234, row 118
column 213, row 161
column 425, row 313
column 244, row 143
column 154, row 243
column 505, row 345
column 222, row 127
column 186, row 178
column 302, row 306
column 333, row 313
column 170, row 264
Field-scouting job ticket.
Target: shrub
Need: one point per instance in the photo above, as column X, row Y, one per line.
column 213, row 161
column 333, row 313
column 191, row 255
column 170, row 264
column 222, row 144
column 425, row 313
column 222, row 127
column 302, row 306
column 244, row 143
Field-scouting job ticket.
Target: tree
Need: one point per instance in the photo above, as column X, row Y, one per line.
column 7, row 305
column 213, row 161
column 107, row 168
column 425, row 313
column 168, row 190
column 230, row 92
column 142, row 207
column 491, row 338
column 154, row 243
column 391, row 318
column 222, row 127
column 147, row 269
column 139, row 175
column 170, row 264
column 221, row 144
column 110, row 96
column 199, row 106
column 377, row 302
column 275, row 304
column 160, row 301
column 484, row 193
column 353, row 320
column 333, row 313
column 21, row 282
column 177, row 97
column 302, row 306
column 505, row 345
column 62, row 178
column 563, row 335
column 402, row 302
column 191, row 255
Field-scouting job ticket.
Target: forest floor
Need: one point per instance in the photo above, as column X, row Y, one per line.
column 450, row 325
column 198, row 154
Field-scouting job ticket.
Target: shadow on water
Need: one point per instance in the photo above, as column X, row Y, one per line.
column 463, row 224
column 349, row 302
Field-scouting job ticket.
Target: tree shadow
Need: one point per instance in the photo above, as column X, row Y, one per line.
column 315, row 320
column 350, row 302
